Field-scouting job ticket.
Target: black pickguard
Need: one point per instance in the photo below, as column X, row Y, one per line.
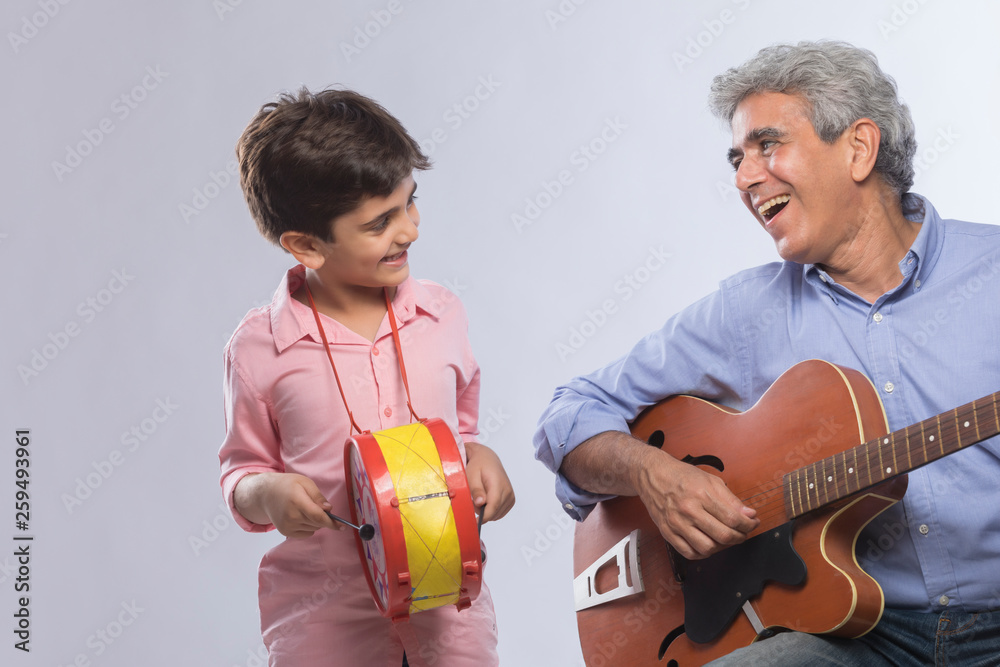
column 716, row 588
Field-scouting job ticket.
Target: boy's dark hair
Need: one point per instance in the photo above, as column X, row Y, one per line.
column 308, row 158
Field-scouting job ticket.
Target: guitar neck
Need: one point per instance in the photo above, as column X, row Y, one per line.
column 836, row 477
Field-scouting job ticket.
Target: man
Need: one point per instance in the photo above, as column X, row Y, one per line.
column 872, row 279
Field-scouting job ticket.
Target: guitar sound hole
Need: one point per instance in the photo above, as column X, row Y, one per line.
column 656, row 439
column 667, row 641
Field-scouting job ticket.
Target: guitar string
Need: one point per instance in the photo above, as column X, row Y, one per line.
column 880, row 448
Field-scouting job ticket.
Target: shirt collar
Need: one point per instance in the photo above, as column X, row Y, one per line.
column 291, row 320
column 927, row 247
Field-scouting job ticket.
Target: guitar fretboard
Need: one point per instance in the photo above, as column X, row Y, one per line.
column 841, row 475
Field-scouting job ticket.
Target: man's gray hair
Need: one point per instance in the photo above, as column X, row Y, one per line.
column 841, row 83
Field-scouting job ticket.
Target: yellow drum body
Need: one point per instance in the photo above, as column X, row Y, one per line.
column 409, row 483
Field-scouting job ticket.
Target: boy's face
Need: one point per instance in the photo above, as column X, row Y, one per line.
column 370, row 242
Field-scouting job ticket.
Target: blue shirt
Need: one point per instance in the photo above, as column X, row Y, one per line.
column 928, row 345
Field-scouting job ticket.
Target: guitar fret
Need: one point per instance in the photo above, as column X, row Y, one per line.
column 821, row 484
column 798, row 489
column 855, row 469
column 810, row 485
column 817, row 482
column 826, row 482
column 868, row 463
column 840, row 474
column 787, row 481
column 958, row 429
column 895, row 465
column 975, row 418
column 923, row 441
column 881, row 466
column 799, row 481
column 996, row 414
column 847, row 478
column 940, row 439
column 909, row 457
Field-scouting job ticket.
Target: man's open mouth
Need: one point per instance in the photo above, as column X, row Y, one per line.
column 773, row 206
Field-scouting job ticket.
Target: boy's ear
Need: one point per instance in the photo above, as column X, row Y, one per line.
column 305, row 248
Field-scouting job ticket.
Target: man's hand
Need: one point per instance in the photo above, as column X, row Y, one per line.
column 292, row 502
column 694, row 510
column 488, row 481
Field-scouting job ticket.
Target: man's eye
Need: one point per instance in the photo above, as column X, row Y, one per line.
column 736, row 164
column 413, row 200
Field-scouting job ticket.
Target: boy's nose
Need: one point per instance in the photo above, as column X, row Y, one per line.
column 408, row 232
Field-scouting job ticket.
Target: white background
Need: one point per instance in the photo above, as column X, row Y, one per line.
column 86, row 356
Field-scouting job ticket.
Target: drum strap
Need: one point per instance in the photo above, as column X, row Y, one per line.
column 399, row 353
column 329, row 355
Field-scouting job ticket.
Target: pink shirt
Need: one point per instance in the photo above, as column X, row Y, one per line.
column 284, row 413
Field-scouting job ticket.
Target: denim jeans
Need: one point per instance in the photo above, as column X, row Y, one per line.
column 902, row 638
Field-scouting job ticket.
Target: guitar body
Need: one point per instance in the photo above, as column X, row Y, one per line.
column 813, row 411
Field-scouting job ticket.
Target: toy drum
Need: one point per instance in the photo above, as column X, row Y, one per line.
column 409, row 483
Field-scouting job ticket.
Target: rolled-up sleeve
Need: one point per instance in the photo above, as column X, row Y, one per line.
column 251, row 444
column 691, row 353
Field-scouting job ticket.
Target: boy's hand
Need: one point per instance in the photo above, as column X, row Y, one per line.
column 292, row 502
column 488, row 481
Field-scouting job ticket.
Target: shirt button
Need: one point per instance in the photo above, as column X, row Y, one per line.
column 568, row 506
column 375, row 351
column 877, row 317
column 387, row 412
column 924, row 529
column 889, row 387
column 916, row 283
column 943, row 600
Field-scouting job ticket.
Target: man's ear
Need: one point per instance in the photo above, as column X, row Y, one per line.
column 305, row 248
column 863, row 139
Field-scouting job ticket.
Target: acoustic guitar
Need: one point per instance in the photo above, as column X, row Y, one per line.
column 795, row 457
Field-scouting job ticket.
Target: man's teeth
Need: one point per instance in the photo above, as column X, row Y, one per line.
column 766, row 206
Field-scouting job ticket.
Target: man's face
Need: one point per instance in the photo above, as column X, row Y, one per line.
column 798, row 187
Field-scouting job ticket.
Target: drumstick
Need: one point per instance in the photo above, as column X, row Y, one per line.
column 366, row 531
column 479, row 528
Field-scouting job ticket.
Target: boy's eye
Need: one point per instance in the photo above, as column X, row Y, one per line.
column 412, row 201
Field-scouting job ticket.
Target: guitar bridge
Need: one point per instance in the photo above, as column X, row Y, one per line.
column 625, row 555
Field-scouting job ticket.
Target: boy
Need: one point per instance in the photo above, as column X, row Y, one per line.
column 329, row 177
